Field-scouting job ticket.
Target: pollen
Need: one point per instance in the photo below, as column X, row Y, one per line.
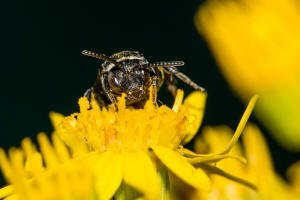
column 105, row 129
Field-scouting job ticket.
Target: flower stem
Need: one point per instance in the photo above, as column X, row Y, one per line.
column 164, row 182
column 125, row 192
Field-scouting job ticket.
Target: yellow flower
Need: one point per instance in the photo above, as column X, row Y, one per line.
column 259, row 168
column 49, row 174
column 257, row 44
column 293, row 174
column 125, row 154
column 124, row 139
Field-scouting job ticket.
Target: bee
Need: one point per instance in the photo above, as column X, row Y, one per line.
column 130, row 73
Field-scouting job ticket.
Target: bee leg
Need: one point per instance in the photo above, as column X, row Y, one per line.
column 111, row 98
column 88, row 94
column 174, row 71
column 154, row 90
column 161, row 103
column 107, row 91
column 171, row 84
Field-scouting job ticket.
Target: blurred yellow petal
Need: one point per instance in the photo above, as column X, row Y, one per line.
column 140, row 173
column 6, row 191
column 260, row 166
column 215, row 170
column 56, row 119
column 279, row 109
column 240, row 128
column 15, row 162
column 11, row 197
column 257, row 173
column 256, row 44
column 293, row 174
column 61, row 149
column 195, row 104
column 228, row 176
column 108, row 174
column 48, row 175
column 182, row 168
column 216, row 139
column 47, row 150
column 257, row 151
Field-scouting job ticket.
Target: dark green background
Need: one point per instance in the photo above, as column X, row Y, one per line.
column 42, row 68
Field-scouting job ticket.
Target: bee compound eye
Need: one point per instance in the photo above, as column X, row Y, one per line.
column 114, row 82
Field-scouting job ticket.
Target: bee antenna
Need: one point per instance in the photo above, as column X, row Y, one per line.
column 170, row 68
column 99, row 56
column 164, row 64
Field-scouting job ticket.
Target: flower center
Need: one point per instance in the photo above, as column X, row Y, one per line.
column 105, row 129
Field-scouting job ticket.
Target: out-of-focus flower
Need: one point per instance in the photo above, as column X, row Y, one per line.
column 49, row 174
column 124, row 154
column 257, row 45
column 259, row 168
column 293, row 174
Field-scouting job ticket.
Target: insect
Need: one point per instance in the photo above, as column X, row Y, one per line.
column 130, row 73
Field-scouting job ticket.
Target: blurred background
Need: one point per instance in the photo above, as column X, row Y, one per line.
column 43, row 70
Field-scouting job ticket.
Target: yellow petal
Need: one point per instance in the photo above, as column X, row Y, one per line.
column 11, row 197
column 260, row 166
column 108, row 174
column 61, row 149
column 34, row 160
column 293, row 174
column 5, row 166
column 212, row 169
column 65, row 136
column 178, row 100
column 242, row 124
column 56, row 119
column 5, row 191
column 49, row 154
column 18, row 173
column 257, row 151
column 215, row 158
column 140, row 173
column 182, row 168
column 195, row 104
column 194, row 158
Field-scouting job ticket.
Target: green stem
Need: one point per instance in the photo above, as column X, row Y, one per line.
column 125, row 192
column 164, row 182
